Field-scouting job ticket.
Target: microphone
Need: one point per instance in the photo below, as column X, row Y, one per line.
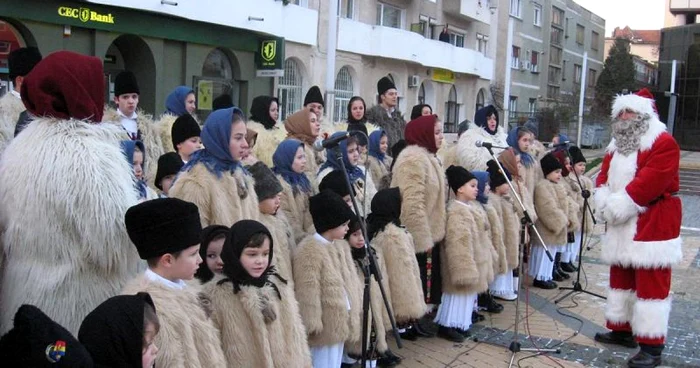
column 562, row 144
column 321, row 145
column 487, row 145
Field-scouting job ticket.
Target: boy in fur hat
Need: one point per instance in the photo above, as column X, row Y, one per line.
column 314, row 102
column 386, row 113
column 169, row 165
column 166, row 233
column 575, row 177
column 335, row 182
column 20, row 63
column 185, row 136
column 325, row 301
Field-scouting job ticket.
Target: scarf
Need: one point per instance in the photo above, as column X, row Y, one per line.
column 175, row 102
column 209, row 233
column 482, row 178
column 65, row 85
column 298, row 126
column 481, row 118
column 128, row 149
column 354, row 172
column 421, row 132
column 260, row 111
column 352, row 120
column 509, row 161
column 386, row 209
column 374, row 140
column 283, row 158
column 418, row 110
column 561, row 155
column 216, row 155
column 525, row 157
column 238, row 238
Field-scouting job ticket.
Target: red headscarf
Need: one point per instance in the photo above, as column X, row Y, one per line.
column 65, row 85
column 421, row 132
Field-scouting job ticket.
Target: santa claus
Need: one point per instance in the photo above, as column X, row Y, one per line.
column 636, row 193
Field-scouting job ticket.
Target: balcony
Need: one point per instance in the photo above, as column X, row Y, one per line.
column 472, row 10
column 684, row 6
column 294, row 23
column 391, row 43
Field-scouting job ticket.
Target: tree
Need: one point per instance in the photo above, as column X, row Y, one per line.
column 618, row 74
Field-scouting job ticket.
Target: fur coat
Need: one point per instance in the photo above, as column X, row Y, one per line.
column 505, row 207
column 64, row 189
column 267, row 141
column 448, row 154
column 393, row 125
column 314, row 160
column 150, row 136
column 485, row 240
column 10, row 108
column 342, row 257
column 283, row 241
column 364, row 198
column 256, row 327
column 320, row 290
column 575, row 192
column 421, row 179
column 296, row 209
column 221, row 201
column 467, row 262
column 402, row 272
column 379, row 171
column 472, row 157
column 531, row 175
column 500, row 264
column 552, row 204
column 187, row 336
column 164, row 126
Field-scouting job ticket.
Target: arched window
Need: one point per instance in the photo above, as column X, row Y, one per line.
column 421, row 94
column 480, row 100
column 217, row 65
column 452, row 108
column 216, row 80
column 343, row 93
column 289, row 89
column 10, row 40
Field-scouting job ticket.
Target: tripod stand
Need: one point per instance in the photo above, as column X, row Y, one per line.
column 586, row 210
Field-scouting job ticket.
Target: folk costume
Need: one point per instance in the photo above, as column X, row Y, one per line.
column 469, row 155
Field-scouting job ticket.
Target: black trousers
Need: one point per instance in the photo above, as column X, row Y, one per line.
column 430, row 276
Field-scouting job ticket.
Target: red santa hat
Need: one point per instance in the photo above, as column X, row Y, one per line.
column 641, row 101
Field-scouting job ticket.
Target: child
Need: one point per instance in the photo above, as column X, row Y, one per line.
column 551, row 204
column 169, row 165
column 502, row 287
column 324, row 300
column 392, row 240
column 467, row 261
column 335, row 182
column 121, row 332
column 253, row 306
column 269, row 189
column 290, row 166
column 166, row 233
column 378, row 161
column 134, row 153
column 574, row 214
column 185, row 134
column 212, row 240
column 579, row 168
column 520, row 140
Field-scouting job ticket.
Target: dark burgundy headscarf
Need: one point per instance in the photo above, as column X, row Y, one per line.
column 421, row 132
column 66, row 85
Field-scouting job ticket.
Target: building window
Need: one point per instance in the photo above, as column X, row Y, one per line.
column 480, row 99
column 534, row 62
column 557, row 16
column 591, row 77
column 579, row 34
column 421, row 94
column 457, row 39
column 343, row 93
column 555, row 55
column 300, row 2
column 217, row 65
column 594, row 40
column 452, row 108
column 555, row 36
column 554, row 75
column 289, row 89
column 515, row 58
column 515, row 8
column 553, row 92
column 389, row 16
column 512, row 107
column 532, row 106
column 346, row 9
column 482, row 43
column 538, row 15
column 577, row 73
column 563, row 70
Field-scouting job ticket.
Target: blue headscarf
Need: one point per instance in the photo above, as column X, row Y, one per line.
column 128, row 148
column 525, row 157
column 216, row 135
column 482, row 178
column 354, row 172
column 283, row 160
column 563, row 138
column 374, row 140
column 481, row 118
column 175, row 102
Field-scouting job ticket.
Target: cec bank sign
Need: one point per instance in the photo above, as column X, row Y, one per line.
column 85, row 15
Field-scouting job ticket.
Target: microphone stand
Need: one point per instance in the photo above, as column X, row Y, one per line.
column 577, row 288
column 370, row 268
column 525, row 222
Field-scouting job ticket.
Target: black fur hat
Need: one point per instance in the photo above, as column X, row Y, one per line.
column 550, row 163
column 496, row 177
column 329, row 211
column 168, row 164
column 222, row 102
column 314, row 95
column 184, row 128
column 266, row 183
column 384, row 85
column 335, row 181
column 21, row 61
column 576, row 155
column 125, row 82
column 457, row 176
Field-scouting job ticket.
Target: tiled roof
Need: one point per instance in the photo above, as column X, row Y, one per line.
column 647, row 36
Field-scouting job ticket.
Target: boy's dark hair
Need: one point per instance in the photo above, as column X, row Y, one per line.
column 149, row 318
column 153, row 262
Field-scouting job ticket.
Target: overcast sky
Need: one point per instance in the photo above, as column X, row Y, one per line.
column 638, row 14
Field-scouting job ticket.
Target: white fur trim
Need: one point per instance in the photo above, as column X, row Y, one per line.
column 600, row 196
column 633, row 102
column 620, row 207
column 650, row 318
column 621, row 171
column 620, row 249
column 656, row 127
column 620, row 305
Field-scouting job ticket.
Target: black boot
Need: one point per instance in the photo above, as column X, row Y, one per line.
column 617, row 338
column 388, row 359
column 425, row 327
column 486, row 301
column 557, row 269
column 409, row 334
column 476, row 317
column 547, row 285
column 451, row 334
column 568, row 267
column 647, row 357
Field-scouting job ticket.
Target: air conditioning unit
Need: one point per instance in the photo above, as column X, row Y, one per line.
column 413, row 81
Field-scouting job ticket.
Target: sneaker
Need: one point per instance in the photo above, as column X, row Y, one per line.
column 547, row 285
column 507, row 297
column 451, row 334
column 617, row 338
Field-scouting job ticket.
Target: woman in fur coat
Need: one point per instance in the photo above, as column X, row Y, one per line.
column 64, row 189
column 304, row 126
column 419, row 176
column 179, row 102
column 486, row 130
column 264, row 113
column 214, row 178
column 297, row 187
column 378, row 161
column 253, row 307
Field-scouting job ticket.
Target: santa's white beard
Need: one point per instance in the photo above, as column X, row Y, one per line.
column 628, row 133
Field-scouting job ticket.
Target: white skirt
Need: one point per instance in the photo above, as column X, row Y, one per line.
column 328, row 356
column 456, row 310
column 502, row 284
column 539, row 266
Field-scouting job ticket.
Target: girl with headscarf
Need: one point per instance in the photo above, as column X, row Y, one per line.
column 420, row 177
column 179, row 102
column 421, row 110
column 520, row 139
column 297, row 187
column 378, row 161
column 304, row 126
column 135, row 154
column 487, row 130
column 510, row 160
column 264, row 112
column 214, row 179
column 537, row 149
column 254, row 307
column 395, row 245
column 212, row 242
column 363, row 184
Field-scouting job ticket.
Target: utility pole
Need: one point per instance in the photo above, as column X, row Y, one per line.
column 330, row 61
column 582, row 98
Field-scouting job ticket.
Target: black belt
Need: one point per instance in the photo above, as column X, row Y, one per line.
column 662, row 197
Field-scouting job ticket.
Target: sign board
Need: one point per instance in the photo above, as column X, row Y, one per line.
column 269, row 59
column 443, row 76
column 204, row 94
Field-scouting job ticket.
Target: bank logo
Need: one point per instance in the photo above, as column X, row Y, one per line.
column 269, row 50
column 84, row 15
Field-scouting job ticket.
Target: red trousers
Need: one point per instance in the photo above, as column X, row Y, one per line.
column 638, row 302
